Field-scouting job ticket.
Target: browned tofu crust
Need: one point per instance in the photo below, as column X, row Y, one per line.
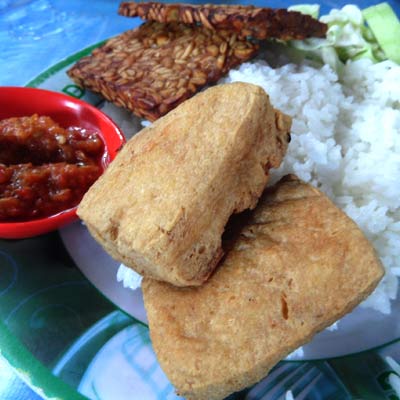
column 162, row 204
column 259, row 23
column 152, row 69
column 298, row 265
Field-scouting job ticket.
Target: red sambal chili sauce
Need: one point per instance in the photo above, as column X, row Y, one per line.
column 44, row 168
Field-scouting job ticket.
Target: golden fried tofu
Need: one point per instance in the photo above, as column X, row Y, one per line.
column 162, row 205
column 297, row 265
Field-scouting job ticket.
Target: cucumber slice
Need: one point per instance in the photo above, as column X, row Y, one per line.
column 385, row 26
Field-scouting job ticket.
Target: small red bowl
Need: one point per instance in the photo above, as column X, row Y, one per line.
column 67, row 111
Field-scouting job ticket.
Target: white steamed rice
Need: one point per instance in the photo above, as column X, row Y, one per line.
column 345, row 141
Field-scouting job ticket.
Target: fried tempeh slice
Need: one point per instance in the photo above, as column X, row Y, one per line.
column 162, row 204
column 259, row 23
column 152, row 69
column 298, row 265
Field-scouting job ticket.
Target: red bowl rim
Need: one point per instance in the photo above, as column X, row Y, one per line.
column 34, row 227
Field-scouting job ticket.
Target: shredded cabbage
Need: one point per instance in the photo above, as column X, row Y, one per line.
column 348, row 37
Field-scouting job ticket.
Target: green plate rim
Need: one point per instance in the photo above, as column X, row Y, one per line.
column 42, row 381
column 43, row 76
column 36, row 375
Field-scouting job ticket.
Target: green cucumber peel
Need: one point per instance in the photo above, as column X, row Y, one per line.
column 385, row 26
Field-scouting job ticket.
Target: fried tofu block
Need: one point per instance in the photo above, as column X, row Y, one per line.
column 297, row 265
column 260, row 23
column 162, row 205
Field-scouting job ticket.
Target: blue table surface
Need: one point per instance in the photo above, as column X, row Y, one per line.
column 36, row 34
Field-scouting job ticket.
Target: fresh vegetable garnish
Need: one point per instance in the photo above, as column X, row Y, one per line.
column 350, row 38
column 385, row 26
